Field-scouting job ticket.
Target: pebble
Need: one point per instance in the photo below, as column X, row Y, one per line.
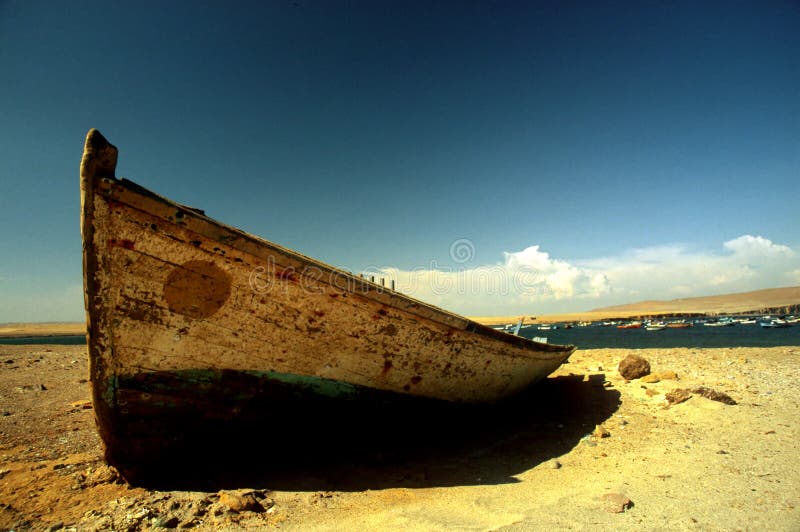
column 601, row 432
column 554, row 464
column 652, row 378
column 616, row 503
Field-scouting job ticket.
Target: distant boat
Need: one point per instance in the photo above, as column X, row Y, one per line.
column 631, row 325
column 747, row 322
column 195, row 324
column 724, row 322
column 655, row 327
column 678, row 325
column 774, row 324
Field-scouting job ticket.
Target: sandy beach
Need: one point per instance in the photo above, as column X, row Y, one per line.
column 22, row 330
column 539, row 462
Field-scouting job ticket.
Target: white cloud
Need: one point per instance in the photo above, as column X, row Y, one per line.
column 531, row 281
column 755, row 246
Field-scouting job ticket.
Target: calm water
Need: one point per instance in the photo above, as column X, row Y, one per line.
column 598, row 337
column 697, row 336
column 45, row 340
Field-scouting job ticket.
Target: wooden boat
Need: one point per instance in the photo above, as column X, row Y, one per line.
column 191, row 321
column 631, row 325
column 655, row 327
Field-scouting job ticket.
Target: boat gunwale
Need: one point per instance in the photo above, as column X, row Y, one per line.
column 204, row 225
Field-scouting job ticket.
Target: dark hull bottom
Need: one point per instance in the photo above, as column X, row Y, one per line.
column 198, row 424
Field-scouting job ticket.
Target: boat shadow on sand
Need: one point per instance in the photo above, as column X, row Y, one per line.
column 378, row 444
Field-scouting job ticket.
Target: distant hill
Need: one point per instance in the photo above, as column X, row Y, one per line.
column 770, row 298
column 773, row 300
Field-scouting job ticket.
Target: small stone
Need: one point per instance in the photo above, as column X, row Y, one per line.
column 240, row 501
column 601, row 432
column 677, row 396
column 102, row 475
column 650, row 393
column 667, row 375
column 633, row 367
column 554, row 464
column 55, row 526
column 651, row 379
column 165, row 521
column 616, row 503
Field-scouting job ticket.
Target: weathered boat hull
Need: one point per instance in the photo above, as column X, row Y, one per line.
column 191, row 320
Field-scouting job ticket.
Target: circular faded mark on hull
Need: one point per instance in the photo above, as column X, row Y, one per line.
column 197, row 289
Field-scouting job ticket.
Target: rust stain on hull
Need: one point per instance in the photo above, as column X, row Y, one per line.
column 197, row 289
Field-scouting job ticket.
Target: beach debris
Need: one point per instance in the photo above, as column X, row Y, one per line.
column 616, row 503
column 650, row 379
column 667, row 375
column 714, row 395
column 678, row 396
column 601, row 432
column 32, row 388
column 633, row 367
column 77, row 406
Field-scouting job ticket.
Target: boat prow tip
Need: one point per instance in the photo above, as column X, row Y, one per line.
column 99, row 156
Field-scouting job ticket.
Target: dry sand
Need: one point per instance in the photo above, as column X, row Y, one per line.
column 698, row 465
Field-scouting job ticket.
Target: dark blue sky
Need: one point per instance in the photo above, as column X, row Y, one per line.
column 377, row 133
